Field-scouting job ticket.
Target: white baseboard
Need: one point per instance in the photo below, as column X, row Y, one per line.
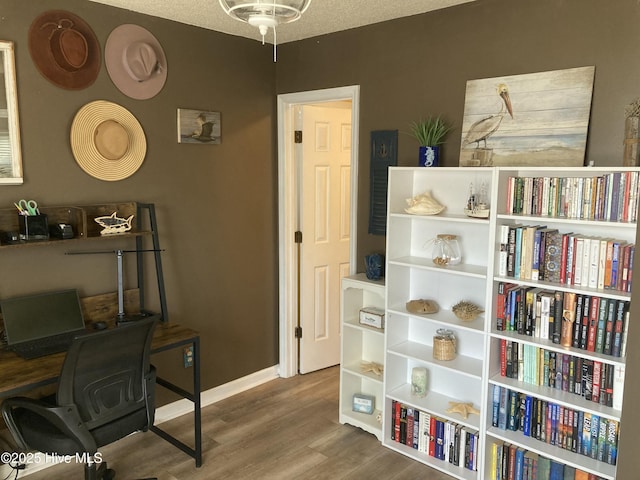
column 215, row 394
column 170, row 411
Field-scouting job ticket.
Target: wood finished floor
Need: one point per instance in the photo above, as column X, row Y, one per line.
column 284, row 429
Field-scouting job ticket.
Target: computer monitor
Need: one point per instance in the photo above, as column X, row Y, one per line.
column 41, row 315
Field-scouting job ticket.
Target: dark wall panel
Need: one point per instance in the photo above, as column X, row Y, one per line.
column 418, row 66
column 216, row 204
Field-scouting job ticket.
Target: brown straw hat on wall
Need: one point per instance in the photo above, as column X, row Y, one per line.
column 64, row 49
column 107, row 141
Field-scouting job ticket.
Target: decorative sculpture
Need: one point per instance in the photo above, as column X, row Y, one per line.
column 466, row 311
column 372, row 367
column 463, row 408
column 423, row 204
column 112, row 224
column 422, row 306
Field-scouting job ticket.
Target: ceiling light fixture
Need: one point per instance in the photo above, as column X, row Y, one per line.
column 265, row 14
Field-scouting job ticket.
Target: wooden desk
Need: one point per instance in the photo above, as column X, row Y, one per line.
column 20, row 376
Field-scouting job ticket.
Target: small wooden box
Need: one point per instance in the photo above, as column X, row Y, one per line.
column 372, row 317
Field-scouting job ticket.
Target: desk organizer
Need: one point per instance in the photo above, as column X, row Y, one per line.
column 81, row 218
column 33, row 227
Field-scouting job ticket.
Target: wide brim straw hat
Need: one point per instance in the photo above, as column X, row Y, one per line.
column 64, row 49
column 107, row 141
column 135, row 61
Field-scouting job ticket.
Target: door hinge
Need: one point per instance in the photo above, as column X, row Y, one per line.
column 297, row 237
column 298, row 332
column 297, row 136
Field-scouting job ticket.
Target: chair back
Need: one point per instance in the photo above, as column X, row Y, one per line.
column 107, row 374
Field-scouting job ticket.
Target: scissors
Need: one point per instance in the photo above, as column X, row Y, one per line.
column 30, row 207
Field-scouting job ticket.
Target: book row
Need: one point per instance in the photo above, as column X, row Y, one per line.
column 435, row 436
column 598, row 382
column 611, row 197
column 509, row 462
column 580, row 432
column 586, row 322
column 535, row 252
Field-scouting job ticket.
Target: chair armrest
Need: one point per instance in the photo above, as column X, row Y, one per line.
column 64, row 417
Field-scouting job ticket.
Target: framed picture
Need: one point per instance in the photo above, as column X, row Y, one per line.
column 198, row 126
column 533, row 119
column 10, row 151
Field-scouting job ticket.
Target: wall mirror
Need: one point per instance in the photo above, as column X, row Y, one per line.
column 10, row 152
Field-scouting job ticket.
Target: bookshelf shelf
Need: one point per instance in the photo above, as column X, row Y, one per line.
column 435, row 402
column 445, row 467
column 366, row 422
column 549, row 345
column 561, row 398
column 361, row 343
column 616, row 295
column 355, row 370
column 463, row 365
column 427, row 264
column 569, row 222
column 568, row 458
column 446, row 319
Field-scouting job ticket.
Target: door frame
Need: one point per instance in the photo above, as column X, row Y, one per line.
column 287, row 210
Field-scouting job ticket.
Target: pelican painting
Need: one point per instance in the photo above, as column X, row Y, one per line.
column 546, row 125
column 198, row 126
column 485, row 127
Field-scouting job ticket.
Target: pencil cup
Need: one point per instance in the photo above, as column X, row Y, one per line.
column 33, row 227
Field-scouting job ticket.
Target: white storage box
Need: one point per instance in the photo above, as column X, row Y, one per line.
column 372, row 317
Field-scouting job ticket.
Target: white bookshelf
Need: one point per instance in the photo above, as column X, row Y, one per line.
column 361, row 343
column 475, row 371
column 411, row 275
column 625, row 231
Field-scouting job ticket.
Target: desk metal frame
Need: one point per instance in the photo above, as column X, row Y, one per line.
column 21, row 376
column 196, row 451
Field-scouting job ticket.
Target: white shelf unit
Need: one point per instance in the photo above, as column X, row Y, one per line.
column 361, row 343
column 599, row 228
column 411, row 275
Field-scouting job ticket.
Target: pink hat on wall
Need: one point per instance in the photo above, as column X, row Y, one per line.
column 135, row 61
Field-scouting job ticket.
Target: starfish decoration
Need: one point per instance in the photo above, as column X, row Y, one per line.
column 372, row 367
column 463, row 408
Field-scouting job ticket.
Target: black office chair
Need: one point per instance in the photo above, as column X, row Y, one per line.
column 105, row 392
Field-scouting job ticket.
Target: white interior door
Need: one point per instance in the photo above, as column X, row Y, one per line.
column 325, row 225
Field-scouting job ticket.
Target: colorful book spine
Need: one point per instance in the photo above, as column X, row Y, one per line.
column 612, row 197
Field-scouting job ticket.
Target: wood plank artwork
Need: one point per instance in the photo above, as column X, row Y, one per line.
column 532, row 119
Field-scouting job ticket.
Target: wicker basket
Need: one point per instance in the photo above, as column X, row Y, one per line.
column 444, row 345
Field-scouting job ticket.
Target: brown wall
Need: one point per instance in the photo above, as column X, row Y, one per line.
column 418, row 66
column 216, row 204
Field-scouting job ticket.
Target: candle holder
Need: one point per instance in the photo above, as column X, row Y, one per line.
column 419, row 381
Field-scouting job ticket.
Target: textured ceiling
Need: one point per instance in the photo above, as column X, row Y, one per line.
column 323, row 16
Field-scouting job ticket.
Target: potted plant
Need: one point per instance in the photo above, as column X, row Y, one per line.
column 430, row 133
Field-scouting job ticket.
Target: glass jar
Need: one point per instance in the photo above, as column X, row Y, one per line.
column 446, row 250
